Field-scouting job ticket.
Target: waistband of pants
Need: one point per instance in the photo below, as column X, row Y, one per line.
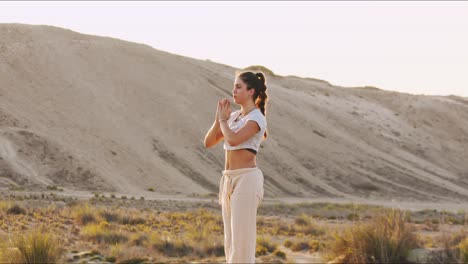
column 227, row 176
column 230, row 173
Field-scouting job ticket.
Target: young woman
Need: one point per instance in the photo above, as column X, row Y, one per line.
column 241, row 185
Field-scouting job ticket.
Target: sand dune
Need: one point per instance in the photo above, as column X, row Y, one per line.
column 96, row 113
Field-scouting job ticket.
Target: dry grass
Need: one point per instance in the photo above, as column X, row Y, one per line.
column 463, row 247
column 387, row 238
column 35, row 246
column 132, row 231
column 451, row 248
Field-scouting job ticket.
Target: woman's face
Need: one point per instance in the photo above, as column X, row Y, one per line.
column 240, row 94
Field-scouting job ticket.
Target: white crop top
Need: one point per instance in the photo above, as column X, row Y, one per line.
column 254, row 141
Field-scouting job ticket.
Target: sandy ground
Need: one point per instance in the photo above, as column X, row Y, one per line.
column 405, row 205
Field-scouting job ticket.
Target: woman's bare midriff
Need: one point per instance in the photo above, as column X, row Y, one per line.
column 240, row 158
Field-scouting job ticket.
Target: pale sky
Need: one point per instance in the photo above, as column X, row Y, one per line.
column 414, row 47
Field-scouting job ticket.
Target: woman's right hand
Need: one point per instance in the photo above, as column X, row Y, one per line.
column 220, row 103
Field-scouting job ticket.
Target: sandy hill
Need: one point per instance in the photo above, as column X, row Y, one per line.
column 94, row 113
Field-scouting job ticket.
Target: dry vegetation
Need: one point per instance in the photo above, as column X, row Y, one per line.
column 49, row 228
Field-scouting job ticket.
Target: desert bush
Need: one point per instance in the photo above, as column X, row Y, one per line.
column 128, row 219
column 287, row 243
column 260, row 251
column 83, row 214
column 463, row 247
column 103, row 233
column 109, row 215
column 387, row 238
column 138, row 239
column 301, row 220
column 453, row 248
column 171, row 247
column 300, row 245
column 16, row 209
column 267, row 243
column 36, row 246
column 279, row 254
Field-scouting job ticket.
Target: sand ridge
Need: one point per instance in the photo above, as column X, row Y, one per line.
column 134, row 117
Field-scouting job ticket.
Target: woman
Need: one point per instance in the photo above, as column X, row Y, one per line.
column 241, row 185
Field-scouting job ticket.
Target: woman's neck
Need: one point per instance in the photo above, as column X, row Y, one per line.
column 247, row 109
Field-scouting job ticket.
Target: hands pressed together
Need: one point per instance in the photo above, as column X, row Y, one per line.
column 223, row 112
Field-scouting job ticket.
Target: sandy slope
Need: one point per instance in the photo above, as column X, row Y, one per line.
column 97, row 113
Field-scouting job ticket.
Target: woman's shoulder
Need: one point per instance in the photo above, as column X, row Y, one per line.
column 258, row 116
column 259, row 113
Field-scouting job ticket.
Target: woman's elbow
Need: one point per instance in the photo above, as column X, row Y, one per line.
column 233, row 143
column 208, row 143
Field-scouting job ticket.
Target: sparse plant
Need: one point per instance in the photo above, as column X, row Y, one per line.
column 266, row 242
column 36, row 246
column 279, row 254
column 16, row 209
column 387, row 238
column 84, row 214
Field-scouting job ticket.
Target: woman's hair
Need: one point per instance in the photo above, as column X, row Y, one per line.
column 257, row 81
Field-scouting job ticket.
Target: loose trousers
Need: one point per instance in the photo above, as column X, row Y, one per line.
column 240, row 194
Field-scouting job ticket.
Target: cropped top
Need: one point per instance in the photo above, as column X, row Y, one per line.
column 236, row 123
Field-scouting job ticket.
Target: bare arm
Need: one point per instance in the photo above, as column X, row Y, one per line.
column 236, row 138
column 214, row 135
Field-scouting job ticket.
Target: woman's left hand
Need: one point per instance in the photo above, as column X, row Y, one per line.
column 224, row 109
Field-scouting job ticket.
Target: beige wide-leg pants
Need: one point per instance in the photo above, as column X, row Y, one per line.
column 240, row 194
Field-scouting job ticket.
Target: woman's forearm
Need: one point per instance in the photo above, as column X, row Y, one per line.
column 210, row 138
column 227, row 132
